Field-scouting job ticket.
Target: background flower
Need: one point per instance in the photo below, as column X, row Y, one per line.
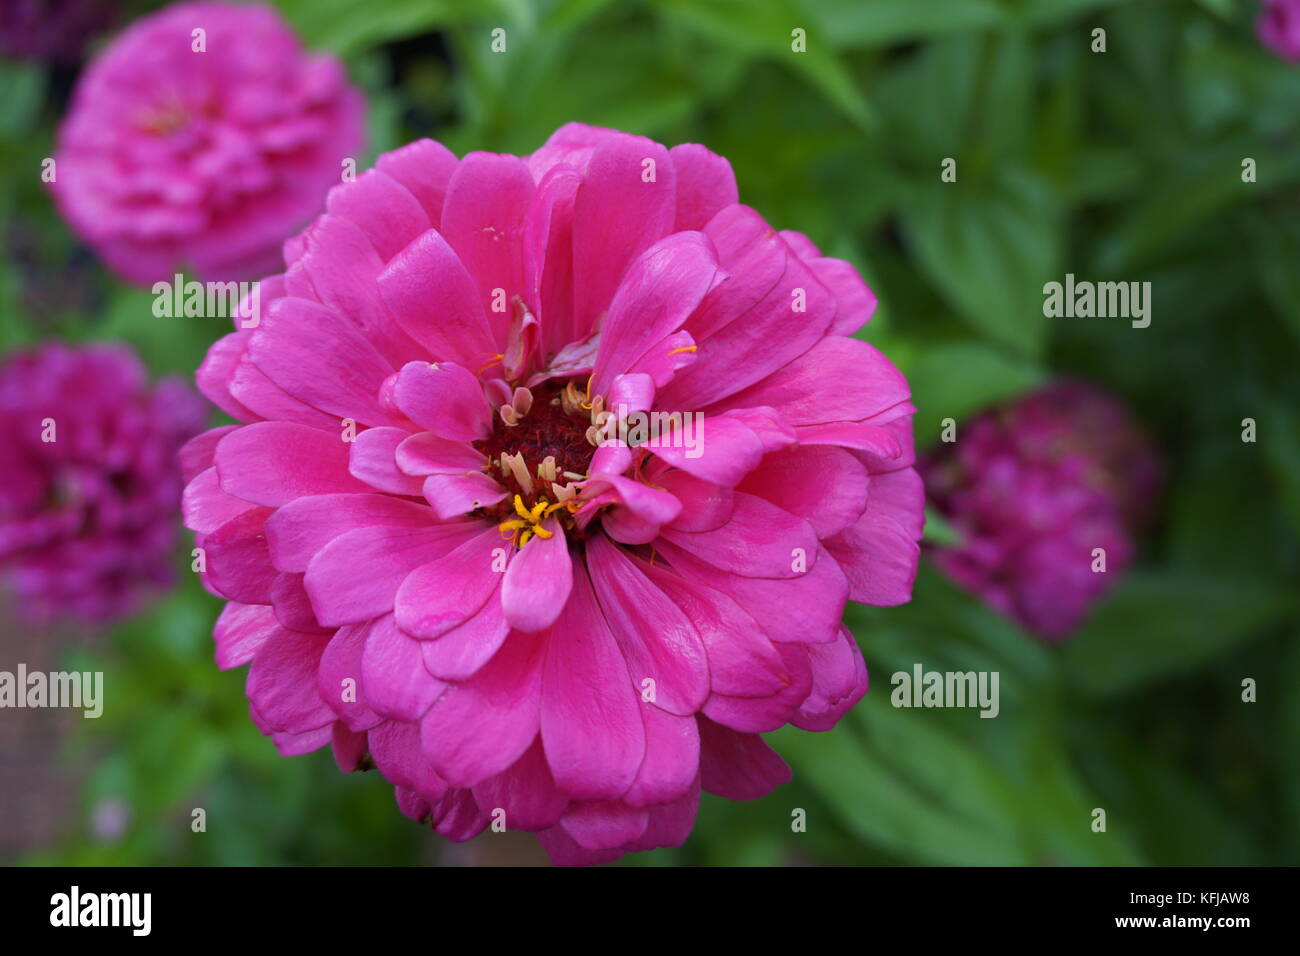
column 88, row 504
column 174, row 156
column 1279, row 28
column 1033, row 489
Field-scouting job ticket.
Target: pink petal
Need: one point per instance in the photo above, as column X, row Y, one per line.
column 373, row 460
column 206, row 507
column 617, row 216
column 839, row 682
column 799, row 610
column 445, row 399
column 356, row 576
column 282, row 682
column 455, row 495
column 604, row 825
column 435, row 300
column 393, row 674
column 481, row 726
column 338, row 679
column 426, row 454
column 825, row 486
column 866, row 384
column 672, row 758
column 538, row 581
column 396, row 749
column 738, row 766
column 662, row 287
column 321, row 359
column 487, row 205
column 240, row 630
column 448, row 590
column 760, row 541
column 742, row 661
column 657, row 640
column 196, row 454
column 753, row 715
column 424, row 167
column 463, row 650
column 239, row 565
column 302, row 527
column 590, row 718
column 384, row 210
column 705, row 185
column 526, row 792
column 272, row 463
column 856, row 302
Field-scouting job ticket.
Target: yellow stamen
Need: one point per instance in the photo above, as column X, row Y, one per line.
column 529, row 522
column 495, row 359
column 685, row 348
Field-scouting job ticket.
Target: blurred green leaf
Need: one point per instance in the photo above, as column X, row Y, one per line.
column 902, row 782
column 346, row 26
column 766, row 29
column 958, row 379
column 990, row 249
column 851, row 23
column 1160, row 623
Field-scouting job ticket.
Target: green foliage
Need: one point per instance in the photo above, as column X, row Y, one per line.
column 1123, row 165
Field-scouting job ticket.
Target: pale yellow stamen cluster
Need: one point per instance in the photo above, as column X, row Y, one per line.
column 521, row 403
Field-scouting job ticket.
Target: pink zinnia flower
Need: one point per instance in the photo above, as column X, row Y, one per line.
column 1034, row 488
column 91, row 483
column 474, row 597
column 172, row 158
column 1279, row 28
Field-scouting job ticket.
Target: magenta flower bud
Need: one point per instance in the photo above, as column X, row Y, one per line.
column 201, row 138
column 1046, row 493
column 92, row 483
column 553, row 477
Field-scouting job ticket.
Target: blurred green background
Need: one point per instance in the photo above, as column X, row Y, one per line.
column 1122, row 165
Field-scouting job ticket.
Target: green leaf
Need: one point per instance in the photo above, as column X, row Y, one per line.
column 347, row 26
column 855, row 23
column 766, row 29
column 1277, row 258
column 958, row 379
column 990, row 248
column 938, row 530
column 1161, row 623
column 907, row 785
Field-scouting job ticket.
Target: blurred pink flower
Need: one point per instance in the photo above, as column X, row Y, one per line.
column 1279, row 28
column 471, row 595
column 173, row 158
column 88, row 505
column 1033, row 488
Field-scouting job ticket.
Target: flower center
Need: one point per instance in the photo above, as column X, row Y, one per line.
column 538, row 448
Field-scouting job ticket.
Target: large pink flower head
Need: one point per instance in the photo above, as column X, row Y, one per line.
column 555, row 476
column 201, row 138
column 1034, row 488
column 91, row 483
column 1278, row 27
